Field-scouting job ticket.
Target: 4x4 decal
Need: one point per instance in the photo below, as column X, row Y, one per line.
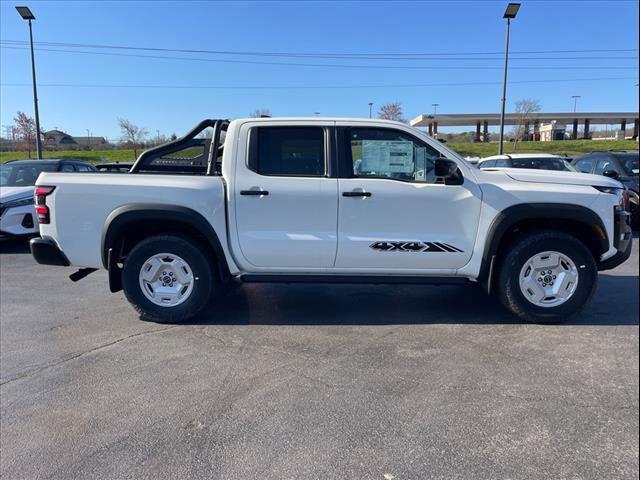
column 426, row 247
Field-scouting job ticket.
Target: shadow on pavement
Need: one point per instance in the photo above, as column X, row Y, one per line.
column 14, row 245
column 615, row 303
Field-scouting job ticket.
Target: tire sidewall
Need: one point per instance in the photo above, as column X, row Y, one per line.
column 190, row 253
column 572, row 248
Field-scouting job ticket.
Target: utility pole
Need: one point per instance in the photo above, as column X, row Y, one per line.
column 158, row 137
column 435, row 108
column 575, row 101
column 88, row 139
column 26, row 14
column 370, row 109
column 510, row 12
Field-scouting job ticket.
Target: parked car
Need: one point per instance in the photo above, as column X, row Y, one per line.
column 115, row 167
column 331, row 200
column 536, row 161
column 17, row 183
column 621, row 165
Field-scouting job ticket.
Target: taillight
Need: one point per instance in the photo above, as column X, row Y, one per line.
column 625, row 200
column 41, row 200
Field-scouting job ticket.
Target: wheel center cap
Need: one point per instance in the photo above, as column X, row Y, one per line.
column 166, row 279
column 548, row 279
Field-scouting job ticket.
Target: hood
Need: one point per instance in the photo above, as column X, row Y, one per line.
column 8, row 194
column 563, row 178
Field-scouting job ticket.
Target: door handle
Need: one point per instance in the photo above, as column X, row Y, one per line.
column 256, row 192
column 356, row 193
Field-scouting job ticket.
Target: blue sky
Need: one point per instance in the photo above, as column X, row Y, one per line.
column 463, row 28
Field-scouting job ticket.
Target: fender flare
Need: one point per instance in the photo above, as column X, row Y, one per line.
column 535, row 211
column 124, row 216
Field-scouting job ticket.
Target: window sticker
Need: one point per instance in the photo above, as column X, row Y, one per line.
column 387, row 156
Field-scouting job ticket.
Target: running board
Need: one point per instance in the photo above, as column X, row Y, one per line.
column 366, row 279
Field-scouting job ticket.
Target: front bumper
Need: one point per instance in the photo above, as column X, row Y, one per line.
column 46, row 252
column 622, row 241
column 18, row 221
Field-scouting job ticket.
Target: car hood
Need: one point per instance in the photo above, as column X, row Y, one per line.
column 563, row 178
column 8, row 194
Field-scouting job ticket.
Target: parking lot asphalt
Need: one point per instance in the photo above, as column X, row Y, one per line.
column 313, row 381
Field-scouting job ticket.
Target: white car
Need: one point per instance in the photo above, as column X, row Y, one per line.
column 536, row 161
column 17, row 184
column 331, row 200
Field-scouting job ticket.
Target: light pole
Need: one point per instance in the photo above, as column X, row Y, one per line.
column 370, row 109
column 26, row 14
column 575, row 101
column 88, row 139
column 509, row 13
column 435, row 108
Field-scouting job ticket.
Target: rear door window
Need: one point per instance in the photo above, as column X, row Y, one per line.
column 288, row 151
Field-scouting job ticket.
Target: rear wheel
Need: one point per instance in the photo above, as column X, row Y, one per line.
column 547, row 277
column 167, row 279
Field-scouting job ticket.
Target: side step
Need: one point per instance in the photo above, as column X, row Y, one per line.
column 366, row 279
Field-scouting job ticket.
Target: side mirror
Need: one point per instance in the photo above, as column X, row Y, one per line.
column 611, row 174
column 445, row 168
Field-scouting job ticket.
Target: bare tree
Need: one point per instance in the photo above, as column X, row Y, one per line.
column 392, row 111
column 524, row 109
column 260, row 112
column 132, row 134
column 25, row 131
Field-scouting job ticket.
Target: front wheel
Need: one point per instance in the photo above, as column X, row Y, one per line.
column 167, row 279
column 547, row 277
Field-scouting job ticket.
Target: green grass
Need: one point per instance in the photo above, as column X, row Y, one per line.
column 570, row 148
column 97, row 156
column 566, row 147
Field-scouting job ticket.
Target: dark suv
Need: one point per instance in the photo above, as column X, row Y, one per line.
column 621, row 165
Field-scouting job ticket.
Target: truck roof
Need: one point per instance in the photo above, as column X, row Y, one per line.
column 322, row 119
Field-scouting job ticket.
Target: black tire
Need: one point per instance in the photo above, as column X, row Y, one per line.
column 203, row 286
column 508, row 287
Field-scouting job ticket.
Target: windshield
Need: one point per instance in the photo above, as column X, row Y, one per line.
column 23, row 174
column 629, row 162
column 551, row 163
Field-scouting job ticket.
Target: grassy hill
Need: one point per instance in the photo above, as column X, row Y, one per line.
column 566, row 147
column 571, row 148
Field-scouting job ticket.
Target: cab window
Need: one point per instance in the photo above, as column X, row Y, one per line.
column 386, row 153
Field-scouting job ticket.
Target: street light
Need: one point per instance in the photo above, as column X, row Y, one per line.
column 509, row 13
column 435, row 108
column 575, row 100
column 26, row 14
column 370, row 109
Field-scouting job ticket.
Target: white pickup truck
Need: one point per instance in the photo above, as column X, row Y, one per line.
column 330, row 200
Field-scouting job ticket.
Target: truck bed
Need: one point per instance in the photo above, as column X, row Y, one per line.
column 81, row 204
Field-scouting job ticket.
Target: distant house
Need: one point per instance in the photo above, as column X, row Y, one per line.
column 59, row 140
column 91, row 142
